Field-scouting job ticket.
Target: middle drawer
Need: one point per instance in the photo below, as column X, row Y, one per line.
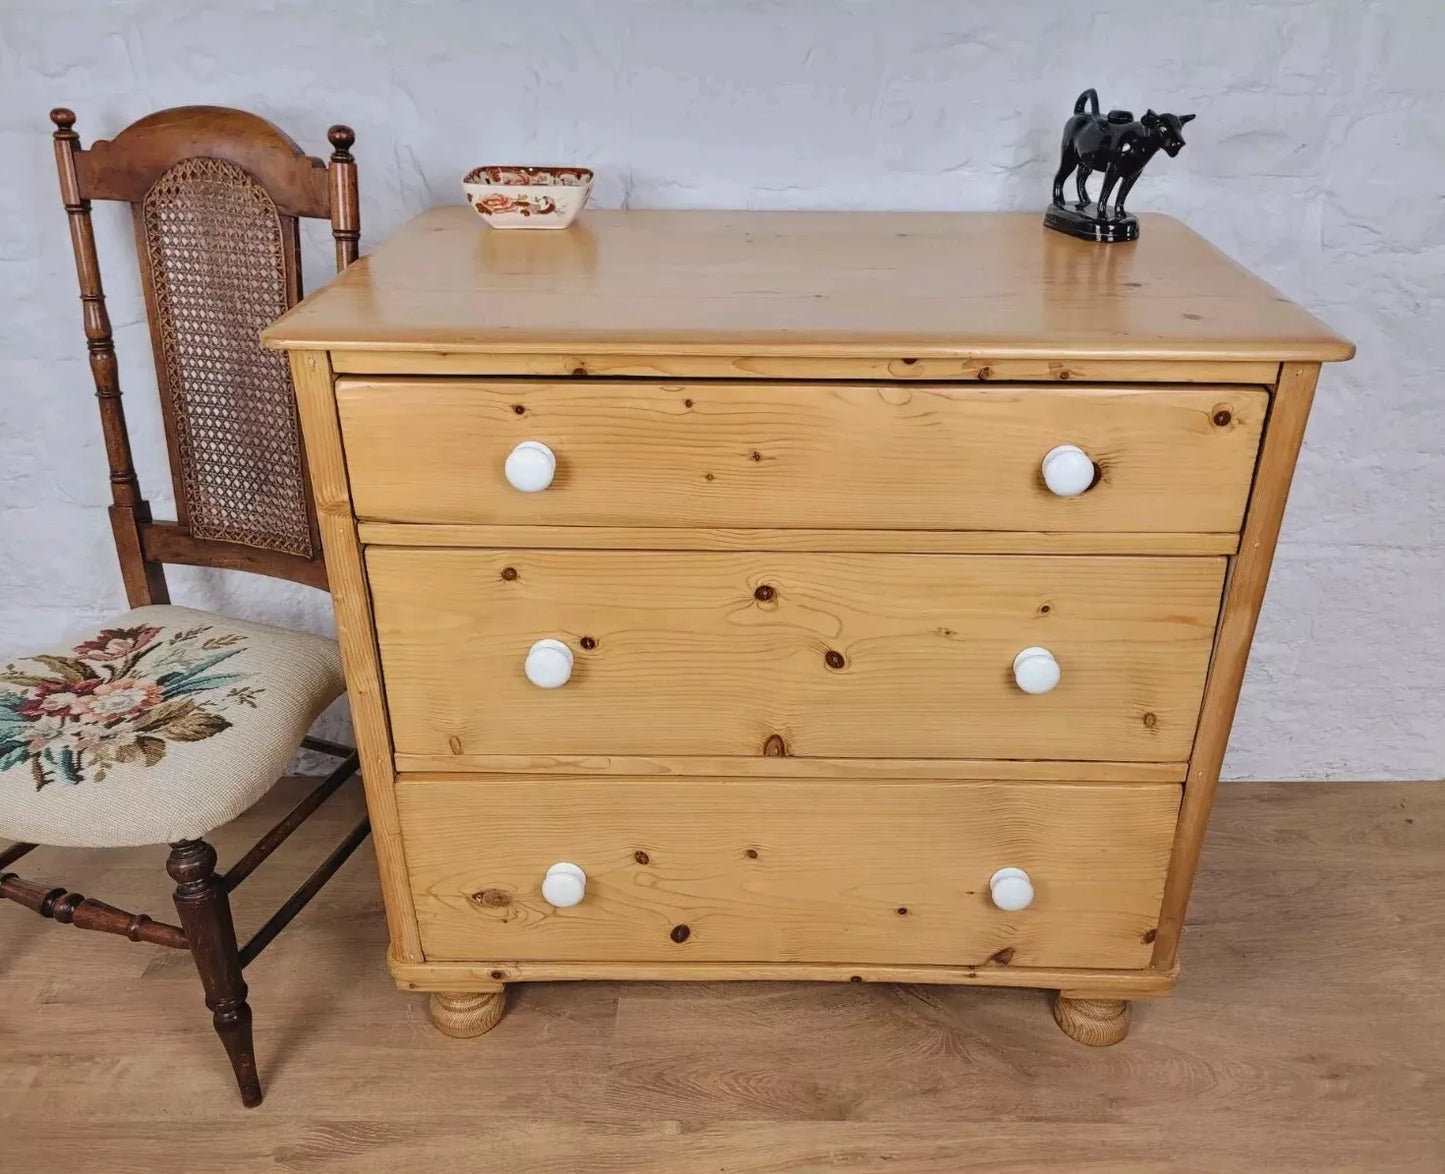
column 821, row 655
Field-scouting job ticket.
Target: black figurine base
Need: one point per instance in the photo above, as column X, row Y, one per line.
column 1085, row 222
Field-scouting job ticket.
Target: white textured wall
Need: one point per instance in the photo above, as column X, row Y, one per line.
column 1318, row 159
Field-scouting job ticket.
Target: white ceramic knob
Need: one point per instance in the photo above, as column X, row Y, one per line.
column 531, row 466
column 549, row 664
column 564, row 885
column 1036, row 670
column 1011, row 889
column 1068, row 471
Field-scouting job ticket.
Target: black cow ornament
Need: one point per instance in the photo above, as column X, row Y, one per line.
column 1119, row 146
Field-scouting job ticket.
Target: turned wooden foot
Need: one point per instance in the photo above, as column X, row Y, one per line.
column 205, row 913
column 1096, row 1022
column 468, row 1013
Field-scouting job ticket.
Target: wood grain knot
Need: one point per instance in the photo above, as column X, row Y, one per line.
column 642, row 858
column 1222, row 417
column 1151, row 720
column 903, row 911
column 1002, row 957
column 588, row 643
column 509, row 573
column 984, row 373
column 833, row 659
column 680, row 934
column 764, row 593
column 751, row 853
column 520, row 409
column 492, row 898
column 775, row 747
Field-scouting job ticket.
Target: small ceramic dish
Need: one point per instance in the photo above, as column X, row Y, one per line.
column 528, row 197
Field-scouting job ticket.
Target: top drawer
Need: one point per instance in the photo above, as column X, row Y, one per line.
column 892, row 457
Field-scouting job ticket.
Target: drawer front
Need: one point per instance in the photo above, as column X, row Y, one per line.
column 797, row 455
column 819, row 655
column 713, row 870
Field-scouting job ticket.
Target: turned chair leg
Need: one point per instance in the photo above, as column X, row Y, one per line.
column 205, row 913
column 463, row 1015
column 1096, row 1022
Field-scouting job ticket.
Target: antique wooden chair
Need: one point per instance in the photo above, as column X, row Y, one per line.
column 165, row 722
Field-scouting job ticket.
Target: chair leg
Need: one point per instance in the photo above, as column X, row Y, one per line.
column 205, row 913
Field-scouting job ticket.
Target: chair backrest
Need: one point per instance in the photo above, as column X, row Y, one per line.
column 215, row 196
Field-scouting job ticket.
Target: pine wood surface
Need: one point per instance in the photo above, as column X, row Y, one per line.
column 849, row 656
column 787, row 871
column 807, row 540
column 1098, row 1023
column 813, row 455
column 1077, row 982
column 468, row 1014
column 1244, row 596
column 1305, row 1036
column 722, row 366
column 351, row 601
column 776, row 766
column 809, row 284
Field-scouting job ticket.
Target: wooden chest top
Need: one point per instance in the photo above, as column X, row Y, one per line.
column 820, row 284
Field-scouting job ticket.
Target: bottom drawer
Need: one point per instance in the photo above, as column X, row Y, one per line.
column 787, row 871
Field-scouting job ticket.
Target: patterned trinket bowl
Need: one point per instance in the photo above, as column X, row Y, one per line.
column 527, row 197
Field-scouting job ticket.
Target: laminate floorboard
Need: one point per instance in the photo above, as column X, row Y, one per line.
column 1307, row 1034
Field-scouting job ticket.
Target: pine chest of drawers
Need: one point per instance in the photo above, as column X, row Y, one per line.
column 796, row 595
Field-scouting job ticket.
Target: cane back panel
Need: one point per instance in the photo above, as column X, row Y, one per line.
column 215, row 253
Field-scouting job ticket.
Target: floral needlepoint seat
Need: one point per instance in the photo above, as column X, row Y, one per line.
column 160, row 726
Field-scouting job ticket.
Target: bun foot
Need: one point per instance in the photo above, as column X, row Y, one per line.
column 1096, row 1022
column 465, row 1014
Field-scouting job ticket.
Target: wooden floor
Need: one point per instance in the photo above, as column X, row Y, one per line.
column 1308, row 1034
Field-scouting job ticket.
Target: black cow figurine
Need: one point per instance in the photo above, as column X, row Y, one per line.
column 1118, row 146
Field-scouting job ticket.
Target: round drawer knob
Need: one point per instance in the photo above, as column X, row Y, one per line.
column 549, row 664
column 1011, row 889
column 1068, row 471
column 1036, row 670
column 564, row 885
column 531, row 466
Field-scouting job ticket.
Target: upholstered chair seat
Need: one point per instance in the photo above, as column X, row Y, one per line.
column 158, row 726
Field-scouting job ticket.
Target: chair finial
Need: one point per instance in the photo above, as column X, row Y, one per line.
column 341, row 138
column 63, row 118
